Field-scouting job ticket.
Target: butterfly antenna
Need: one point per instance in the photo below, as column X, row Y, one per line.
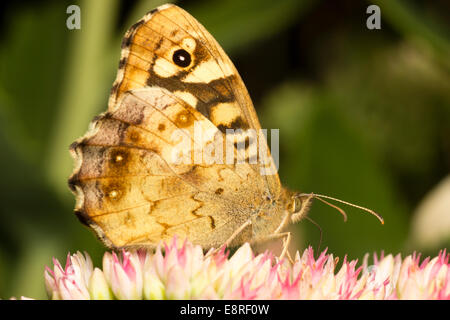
column 336, row 207
column 321, row 197
column 320, row 230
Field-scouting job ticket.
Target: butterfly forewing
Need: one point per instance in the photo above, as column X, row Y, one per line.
column 210, row 82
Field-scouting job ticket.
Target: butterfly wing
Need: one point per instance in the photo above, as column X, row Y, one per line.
column 133, row 194
column 128, row 187
column 210, row 83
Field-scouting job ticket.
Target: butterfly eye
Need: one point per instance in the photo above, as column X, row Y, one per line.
column 182, row 58
column 297, row 204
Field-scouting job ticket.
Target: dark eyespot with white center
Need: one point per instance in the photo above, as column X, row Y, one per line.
column 181, row 58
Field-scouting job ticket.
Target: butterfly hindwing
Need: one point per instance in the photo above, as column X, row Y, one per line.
column 134, row 195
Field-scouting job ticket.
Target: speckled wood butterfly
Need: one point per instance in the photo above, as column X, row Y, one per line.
column 174, row 75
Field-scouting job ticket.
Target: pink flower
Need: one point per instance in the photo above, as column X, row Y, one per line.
column 182, row 271
column 428, row 280
column 72, row 281
column 124, row 275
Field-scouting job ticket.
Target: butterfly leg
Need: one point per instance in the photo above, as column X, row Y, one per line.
column 231, row 238
column 285, row 235
column 286, row 240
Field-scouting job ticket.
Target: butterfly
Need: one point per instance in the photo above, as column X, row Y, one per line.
column 174, row 77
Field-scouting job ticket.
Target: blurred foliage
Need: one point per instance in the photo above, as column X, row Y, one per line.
column 364, row 115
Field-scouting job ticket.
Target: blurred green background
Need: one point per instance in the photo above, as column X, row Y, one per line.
column 364, row 115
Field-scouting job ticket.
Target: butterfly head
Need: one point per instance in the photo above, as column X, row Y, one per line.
column 299, row 205
column 302, row 201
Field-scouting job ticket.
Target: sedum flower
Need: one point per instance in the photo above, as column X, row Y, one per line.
column 71, row 282
column 182, row 271
column 124, row 274
column 428, row 279
column 98, row 286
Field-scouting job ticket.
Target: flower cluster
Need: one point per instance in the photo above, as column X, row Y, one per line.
column 182, row 271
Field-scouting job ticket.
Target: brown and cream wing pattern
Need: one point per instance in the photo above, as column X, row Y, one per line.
column 206, row 78
column 172, row 74
column 133, row 195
